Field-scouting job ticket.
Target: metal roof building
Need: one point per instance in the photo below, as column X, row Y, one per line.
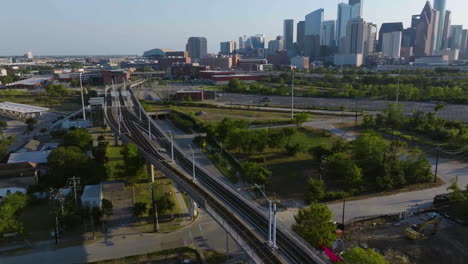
column 31, row 83
column 21, row 110
column 39, row 157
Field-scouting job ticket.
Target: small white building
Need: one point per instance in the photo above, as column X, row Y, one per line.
column 92, row 196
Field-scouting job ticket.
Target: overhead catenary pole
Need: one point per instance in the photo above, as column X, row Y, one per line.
column 172, row 145
column 270, row 218
column 193, row 162
column 149, row 127
column 82, row 97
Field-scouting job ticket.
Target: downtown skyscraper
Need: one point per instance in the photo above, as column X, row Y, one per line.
column 440, row 5
column 288, row 33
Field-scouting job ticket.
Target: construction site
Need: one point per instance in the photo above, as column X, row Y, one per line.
column 425, row 238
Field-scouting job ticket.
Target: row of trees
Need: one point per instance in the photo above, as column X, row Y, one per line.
column 410, row 87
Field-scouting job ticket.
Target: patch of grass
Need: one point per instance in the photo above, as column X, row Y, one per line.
column 37, row 221
column 161, row 187
column 290, row 173
column 114, row 152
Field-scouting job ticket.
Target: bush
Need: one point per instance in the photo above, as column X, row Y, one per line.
column 333, row 196
column 293, row 150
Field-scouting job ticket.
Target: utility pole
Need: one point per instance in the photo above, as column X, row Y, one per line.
column 343, row 216
column 193, row 162
column 92, row 221
column 155, row 212
column 82, row 98
column 437, row 166
column 56, row 228
column 292, row 94
column 75, row 182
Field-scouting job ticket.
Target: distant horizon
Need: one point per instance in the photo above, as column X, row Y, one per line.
column 121, row 28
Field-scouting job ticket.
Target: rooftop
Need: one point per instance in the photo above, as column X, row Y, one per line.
column 31, row 81
column 22, row 108
column 91, row 192
column 39, row 157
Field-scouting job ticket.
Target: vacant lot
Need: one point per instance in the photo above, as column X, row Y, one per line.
column 290, row 173
column 448, row 246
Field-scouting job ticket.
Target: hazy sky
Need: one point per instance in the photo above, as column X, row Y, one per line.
column 81, row 27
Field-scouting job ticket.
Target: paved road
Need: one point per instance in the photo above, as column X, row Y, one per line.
column 205, row 234
column 450, row 112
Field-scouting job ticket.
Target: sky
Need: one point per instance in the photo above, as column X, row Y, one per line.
column 130, row 27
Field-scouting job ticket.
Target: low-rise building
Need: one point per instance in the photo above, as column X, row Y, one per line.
column 115, row 76
column 18, row 175
column 92, row 196
column 217, row 62
column 300, row 62
column 348, row 59
column 31, row 83
column 452, row 55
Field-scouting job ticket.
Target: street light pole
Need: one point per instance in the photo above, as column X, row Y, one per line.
column 292, row 94
column 274, row 226
column 193, row 162
column 82, row 98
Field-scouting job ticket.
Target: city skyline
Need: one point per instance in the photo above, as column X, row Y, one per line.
column 49, row 28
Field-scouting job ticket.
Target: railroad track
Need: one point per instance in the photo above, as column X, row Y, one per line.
column 290, row 246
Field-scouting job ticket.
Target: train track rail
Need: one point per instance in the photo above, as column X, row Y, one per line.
column 289, row 245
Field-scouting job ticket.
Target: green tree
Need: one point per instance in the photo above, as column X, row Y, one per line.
column 31, row 122
column 64, row 162
column 358, row 255
column 3, row 128
column 56, row 90
column 80, row 138
column 164, row 204
column 253, row 173
column 368, row 151
column 300, row 119
column 140, row 209
column 75, row 83
column 134, row 163
column 10, row 209
column 457, row 194
column 315, row 226
column 315, row 190
column 234, row 85
column 341, row 169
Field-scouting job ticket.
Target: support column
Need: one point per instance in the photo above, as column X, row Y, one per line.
column 151, row 171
